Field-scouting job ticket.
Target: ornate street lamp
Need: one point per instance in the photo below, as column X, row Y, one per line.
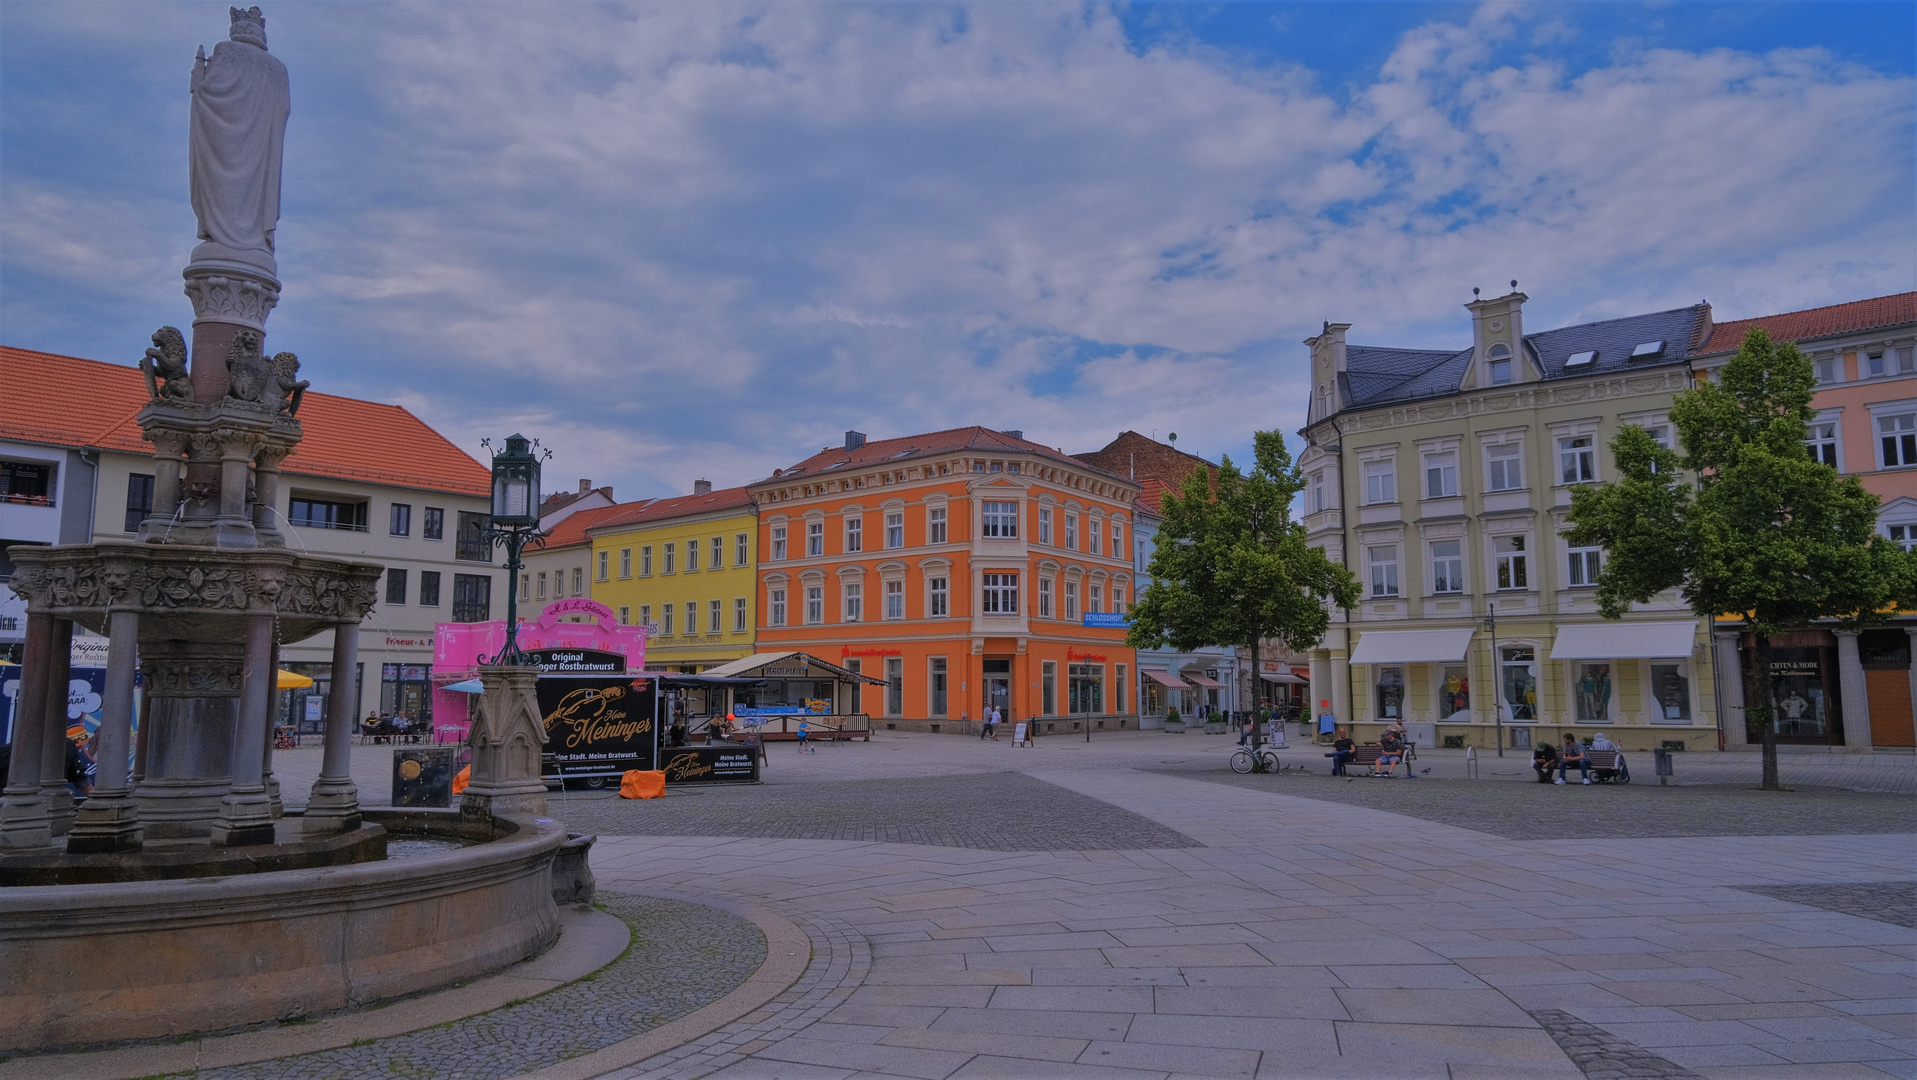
column 515, row 523
column 1497, row 707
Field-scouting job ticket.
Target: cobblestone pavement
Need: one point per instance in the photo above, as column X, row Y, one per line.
column 1603, row 1056
column 1002, row 811
column 683, row 956
column 1306, row 937
column 1894, row 902
column 1536, row 811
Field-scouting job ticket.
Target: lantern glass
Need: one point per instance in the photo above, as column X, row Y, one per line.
column 516, row 484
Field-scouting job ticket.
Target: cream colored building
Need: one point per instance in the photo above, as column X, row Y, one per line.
column 1442, row 478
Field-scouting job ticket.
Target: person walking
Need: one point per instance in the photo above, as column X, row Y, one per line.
column 997, row 719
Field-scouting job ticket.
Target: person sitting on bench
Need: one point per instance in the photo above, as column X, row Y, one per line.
column 1390, row 751
column 1544, row 759
column 1574, row 754
column 1341, row 752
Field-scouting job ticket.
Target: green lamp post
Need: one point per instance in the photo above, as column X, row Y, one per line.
column 515, row 523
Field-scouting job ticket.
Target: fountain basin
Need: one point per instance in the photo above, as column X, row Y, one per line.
column 88, row 964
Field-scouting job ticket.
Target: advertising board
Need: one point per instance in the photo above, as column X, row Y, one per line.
column 711, row 765
column 598, row 727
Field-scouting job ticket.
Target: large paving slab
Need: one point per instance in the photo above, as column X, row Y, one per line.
column 1292, row 936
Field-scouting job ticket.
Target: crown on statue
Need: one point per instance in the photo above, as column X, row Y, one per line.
column 248, row 26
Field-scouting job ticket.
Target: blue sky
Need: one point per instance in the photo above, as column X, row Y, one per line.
column 682, row 241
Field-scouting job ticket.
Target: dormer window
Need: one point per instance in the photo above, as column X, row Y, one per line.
column 1500, row 364
column 1648, row 350
column 1579, row 358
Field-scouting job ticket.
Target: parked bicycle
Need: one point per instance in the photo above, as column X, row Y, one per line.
column 1243, row 761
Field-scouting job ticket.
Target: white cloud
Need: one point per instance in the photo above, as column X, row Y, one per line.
column 702, row 240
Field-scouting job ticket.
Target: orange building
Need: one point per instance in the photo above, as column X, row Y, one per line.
column 964, row 568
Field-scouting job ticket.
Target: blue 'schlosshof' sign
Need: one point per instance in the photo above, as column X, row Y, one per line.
column 1108, row 619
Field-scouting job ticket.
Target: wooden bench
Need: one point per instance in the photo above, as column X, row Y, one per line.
column 1366, row 757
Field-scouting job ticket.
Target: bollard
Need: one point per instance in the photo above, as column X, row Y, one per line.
column 1663, row 760
column 1471, row 762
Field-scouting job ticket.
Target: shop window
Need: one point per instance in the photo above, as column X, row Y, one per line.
column 937, row 676
column 1504, row 466
column 894, row 685
column 1440, row 475
column 406, row 690
column 938, row 597
column 1584, row 567
column 400, row 521
column 1670, row 694
column 1454, row 690
column 1120, row 680
column 1519, row 672
column 1577, row 459
column 1085, row 689
column 1592, row 690
column 1390, row 693
column 1383, row 561
column 1381, row 482
column 1803, row 701
column 396, row 585
column 1884, row 650
column 1447, row 566
column 429, row 588
column 778, row 543
column 1048, row 688
column 935, row 525
column 1000, row 596
column 1513, row 569
column 434, row 527
column 139, row 500
column 999, row 520
column 472, row 598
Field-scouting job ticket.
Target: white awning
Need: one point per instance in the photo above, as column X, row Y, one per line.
column 1624, row 641
column 1412, row 646
column 1285, row 677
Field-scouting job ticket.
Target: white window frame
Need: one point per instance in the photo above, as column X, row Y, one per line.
column 854, row 533
column 1381, row 482
column 935, row 531
column 1118, row 538
column 605, row 560
column 998, row 594
column 1577, row 464
column 715, row 616
column 1071, row 531
column 1094, row 535
column 692, row 618
column 1511, row 569
column 814, row 603
column 645, row 561
column 1045, row 525
column 895, row 529
column 814, row 539
column 739, row 621
column 998, row 519
column 741, row 549
column 775, row 606
column 938, row 596
column 1441, row 474
column 1504, row 465
column 778, row 544
column 1381, row 571
column 1582, row 565
column 1904, row 434
column 1094, row 598
column 894, row 590
column 665, row 620
column 1446, row 568
column 1827, row 448
column 852, row 601
column 717, row 560
column 1071, row 600
column 625, row 563
column 1045, row 597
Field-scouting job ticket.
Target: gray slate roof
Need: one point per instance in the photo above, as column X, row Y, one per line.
column 1376, row 376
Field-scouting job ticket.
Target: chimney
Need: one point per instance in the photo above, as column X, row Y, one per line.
column 702, row 487
column 854, row 440
column 1015, row 433
column 585, row 485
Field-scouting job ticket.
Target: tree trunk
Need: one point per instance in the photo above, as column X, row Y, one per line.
column 1257, row 763
column 1758, row 707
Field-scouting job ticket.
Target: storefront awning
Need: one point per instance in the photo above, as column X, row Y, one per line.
column 1285, row 677
column 1412, row 646
column 1199, row 678
column 1164, row 679
column 749, row 666
column 1624, row 641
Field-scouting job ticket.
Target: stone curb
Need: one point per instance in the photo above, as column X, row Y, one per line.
column 788, row 954
column 588, row 941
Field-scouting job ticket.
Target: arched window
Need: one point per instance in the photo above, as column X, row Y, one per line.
column 1498, row 363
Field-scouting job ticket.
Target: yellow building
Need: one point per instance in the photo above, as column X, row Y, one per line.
column 685, row 566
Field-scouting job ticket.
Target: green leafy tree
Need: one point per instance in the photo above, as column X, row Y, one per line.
column 1758, row 529
column 1232, row 568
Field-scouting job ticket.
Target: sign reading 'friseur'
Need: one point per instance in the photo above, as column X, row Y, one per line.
column 598, row 725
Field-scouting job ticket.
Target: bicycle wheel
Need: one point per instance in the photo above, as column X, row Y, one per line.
column 1241, row 761
column 1270, row 758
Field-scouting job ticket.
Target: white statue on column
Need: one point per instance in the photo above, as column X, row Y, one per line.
column 241, row 99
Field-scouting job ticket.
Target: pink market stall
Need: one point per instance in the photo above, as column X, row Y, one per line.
column 560, row 646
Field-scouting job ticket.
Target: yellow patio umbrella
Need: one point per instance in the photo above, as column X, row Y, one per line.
column 293, row 680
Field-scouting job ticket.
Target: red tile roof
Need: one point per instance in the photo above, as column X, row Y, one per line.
column 1899, row 309
column 571, row 529
column 1152, row 499
column 679, row 506
column 67, row 401
column 911, row 447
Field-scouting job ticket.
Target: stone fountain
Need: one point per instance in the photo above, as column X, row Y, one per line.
column 174, row 898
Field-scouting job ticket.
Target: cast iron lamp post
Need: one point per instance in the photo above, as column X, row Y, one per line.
column 515, row 523
column 1497, row 707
